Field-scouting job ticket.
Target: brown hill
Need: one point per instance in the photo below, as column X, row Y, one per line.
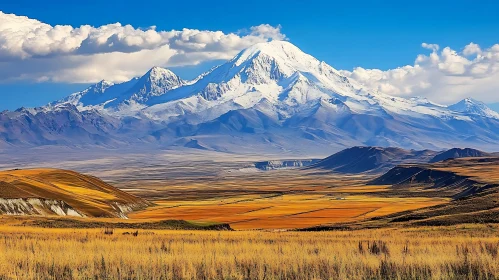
column 463, row 176
column 371, row 159
column 459, row 153
column 473, row 182
column 62, row 193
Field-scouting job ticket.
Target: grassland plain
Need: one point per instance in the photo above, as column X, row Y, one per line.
column 457, row 252
column 285, row 211
column 205, row 192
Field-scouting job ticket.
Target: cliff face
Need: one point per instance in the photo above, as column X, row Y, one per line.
column 36, row 206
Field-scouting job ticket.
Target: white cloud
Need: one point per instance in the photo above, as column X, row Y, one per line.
column 444, row 76
column 471, row 49
column 30, row 49
column 268, row 31
column 433, row 47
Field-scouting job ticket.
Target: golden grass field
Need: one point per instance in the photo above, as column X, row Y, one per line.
column 281, row 199
column 480, row 171
column 276, row 200
column 457, row 252
column 286, row 211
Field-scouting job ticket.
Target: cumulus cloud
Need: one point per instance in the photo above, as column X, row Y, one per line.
column 268, row 31
column 444, row 76
column 433, row 47
column 30, row 49
column 472, row 49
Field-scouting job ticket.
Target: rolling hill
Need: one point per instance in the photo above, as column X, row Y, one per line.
column 472, row 183
column 58, row 192
column 459, row 153
column 370, row 159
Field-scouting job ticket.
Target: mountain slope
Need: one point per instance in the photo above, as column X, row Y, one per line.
column 370, row 159
column 475, row 108
column 300, row 93
column 57, row 125
column 459, row 153
column 472, row 182
column 98, row 94
column 155, row 82
column 62, row 193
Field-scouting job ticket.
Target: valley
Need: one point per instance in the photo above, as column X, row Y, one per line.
column 213, row 187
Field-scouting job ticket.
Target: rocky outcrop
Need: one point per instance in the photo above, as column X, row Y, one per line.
column 36, row 206
column 280, row 164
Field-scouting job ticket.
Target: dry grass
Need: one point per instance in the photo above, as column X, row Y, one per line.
column 463, row 252
column 285, row 211
column 484, row 170
column 87, row 194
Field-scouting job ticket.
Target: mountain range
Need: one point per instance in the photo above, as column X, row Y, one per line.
column 271, row 97
column 371, row 159
column 460, row 153
column 367, row 159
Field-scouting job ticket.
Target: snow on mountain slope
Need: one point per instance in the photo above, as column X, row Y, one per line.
column 274, row 94
column 276, row 72
column 155, row 82
column 98, row 94
column 475, row 108
column 280, row 73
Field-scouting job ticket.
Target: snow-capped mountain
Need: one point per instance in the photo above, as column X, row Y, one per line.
column 99, row 94
column 155, row 82
column 473, row 107
column 273, row 95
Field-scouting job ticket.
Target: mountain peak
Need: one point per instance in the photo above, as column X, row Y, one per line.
column 101, row 86
column 273, row 46
column 468, row 101
column 281, row 50
column 105, row 82
column 155, row 82
column 157, row 72
column 159, row 80
column 474, row 107
column 270, row 94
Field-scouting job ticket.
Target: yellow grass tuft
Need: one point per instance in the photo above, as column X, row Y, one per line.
column 463, row 252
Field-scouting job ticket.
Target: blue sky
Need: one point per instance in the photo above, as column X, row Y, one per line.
column 347, row 34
